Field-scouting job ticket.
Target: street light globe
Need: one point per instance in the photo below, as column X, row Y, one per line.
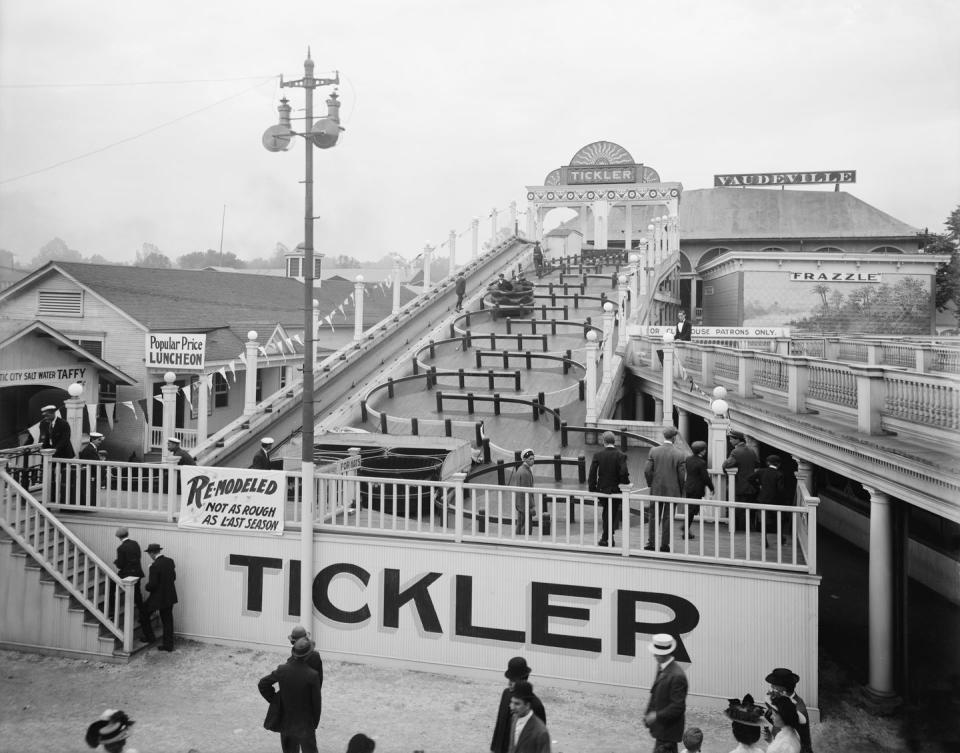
column 650, row 228
column 719, row 408
column 358, row 278
column 592, row 336
column 75, row 389
column 719, row 392
column 252, row 334
column 608, row 307
column 169, row 377
column 622, row 279
column 633, row 258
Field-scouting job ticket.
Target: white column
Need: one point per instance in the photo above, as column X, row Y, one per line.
column 74, row 406
column 668, row 357
column 475, row 227
column 396, row 287
column 452, row 246
column 608, row 342
column 694, row 284
column 513, row 217
column 599, row 226
column 493, row 227
column 250, row 380
column 623, row 295
column 538, row 224
column 880, row 589
column 358, row 308
column 636, row 269
column 427, row 262
column 628, row 227
column 533, row 212
column 584, row 211
column 591, row 377
column 169, row 395
column 645, row 261
column 683, row 424
column 203, row 404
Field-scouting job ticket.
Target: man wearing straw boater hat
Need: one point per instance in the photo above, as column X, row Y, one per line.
column 665, row 712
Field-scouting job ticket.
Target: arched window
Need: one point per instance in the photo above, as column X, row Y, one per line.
column 712, row 254
column 773, row 250
column 829, row 250
column 886, row 250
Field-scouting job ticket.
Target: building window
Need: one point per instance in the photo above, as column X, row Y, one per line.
column 221, row 391
column 107, row 392
column 316, row 266
column 293, row 266
column 60, row 302
column 886, row 250
column 94, row 347
column 830, row 250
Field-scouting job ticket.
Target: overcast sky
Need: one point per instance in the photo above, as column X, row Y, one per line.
column 451, row 109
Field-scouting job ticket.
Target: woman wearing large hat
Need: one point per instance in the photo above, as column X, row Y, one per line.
column 111, row 731
column 747, row 718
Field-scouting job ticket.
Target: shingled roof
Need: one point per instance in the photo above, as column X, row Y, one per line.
column 714, row 214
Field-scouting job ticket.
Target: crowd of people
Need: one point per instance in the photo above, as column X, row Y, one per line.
column 293, row 691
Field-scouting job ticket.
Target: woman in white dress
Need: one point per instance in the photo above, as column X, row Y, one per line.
column 783, row 717
column 747, row 718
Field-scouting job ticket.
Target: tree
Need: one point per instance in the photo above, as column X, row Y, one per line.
column 56, row 250
column 275, row 261
column 210, row 258
column 948, row 276
column 150, row 256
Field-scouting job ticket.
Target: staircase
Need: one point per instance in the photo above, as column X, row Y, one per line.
column 54, row 590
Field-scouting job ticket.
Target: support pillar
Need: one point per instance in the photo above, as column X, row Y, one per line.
column 669, row 356
column 683, row 424
column 452, row 246
column 427, row 263
column 881, row 589
column 513, row 217
column 396, row 287
column 625, row 305
column 169, row 397
column 74, row 406
column 316, row 333
column 658, row 411
column 358, row 308
column 627, row 227
column 203, row 405
column 533, row 213
column 584, row 211
column 475, row 228
column 607, row 342
column 493, row 227
column 250, row 380
column 591, row 378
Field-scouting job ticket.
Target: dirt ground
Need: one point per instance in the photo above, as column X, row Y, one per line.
column 205, row 697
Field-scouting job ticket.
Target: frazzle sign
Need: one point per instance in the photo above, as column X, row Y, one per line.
column 231, row 499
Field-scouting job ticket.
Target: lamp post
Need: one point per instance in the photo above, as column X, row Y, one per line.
column 323, row 134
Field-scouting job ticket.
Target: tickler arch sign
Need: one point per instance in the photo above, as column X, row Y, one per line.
column 601, row 175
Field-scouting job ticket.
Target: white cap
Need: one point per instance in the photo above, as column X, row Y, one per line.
column 96, row 435
column 266, row 440
column 526, row 453
column 46, row 408
column 173, row 439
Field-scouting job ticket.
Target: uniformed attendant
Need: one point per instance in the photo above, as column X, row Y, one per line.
column 90, row 474
column 261, row 460
column 173, row 447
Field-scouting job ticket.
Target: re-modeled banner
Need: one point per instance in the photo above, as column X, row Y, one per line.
column 714, row 332
column 232, row 499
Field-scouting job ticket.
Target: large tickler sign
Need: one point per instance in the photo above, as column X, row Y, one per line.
column 167, row 350
column 231, row 499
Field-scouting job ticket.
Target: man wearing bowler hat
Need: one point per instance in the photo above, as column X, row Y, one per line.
column 312, row 659
column 528, row 733
column 665, row 712
column 299, row 693
column 163, row 592
column 784, row 682
column 696, row 483
column 517, row 671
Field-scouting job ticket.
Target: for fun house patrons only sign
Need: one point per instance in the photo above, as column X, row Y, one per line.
column 167, row 350
column 232, row 499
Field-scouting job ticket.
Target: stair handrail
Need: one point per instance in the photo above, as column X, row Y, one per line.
column 76, row 583
column 660, row 273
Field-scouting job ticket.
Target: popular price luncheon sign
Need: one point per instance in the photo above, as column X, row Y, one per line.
column 167, row 350
column 232, row 499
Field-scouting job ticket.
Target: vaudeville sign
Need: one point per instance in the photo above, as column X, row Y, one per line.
column 785, row 179
column 167, row 350
column 232, row 499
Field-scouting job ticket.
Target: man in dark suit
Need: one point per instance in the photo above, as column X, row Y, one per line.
column 313, row 659
column 668, row 696
column 697, row 481
column 683, row 329
column 163, row 592
column 174, row 448
column 299, row 693
column 55, row 433
column 665, row 472
column 129, row 566
column 742, row 458
column 89, row 475
column 527, row 733
column 460, row 288
column 517, row 671
column 607, row 471
column 261, row 460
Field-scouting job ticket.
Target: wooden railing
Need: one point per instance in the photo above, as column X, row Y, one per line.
column 566, row 518
column 73, row 565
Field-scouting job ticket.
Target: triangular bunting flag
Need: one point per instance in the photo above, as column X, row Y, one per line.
column 142, row 402
column 233, row 370
column 129, row 404
column 158, row 398
column 329, row 320
column 109, row 409
column 34, row 432
column 298, row 339
column 92, row 415
column 242, row 359
column 186, row 396
column 222, row 371
column 262, row 350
